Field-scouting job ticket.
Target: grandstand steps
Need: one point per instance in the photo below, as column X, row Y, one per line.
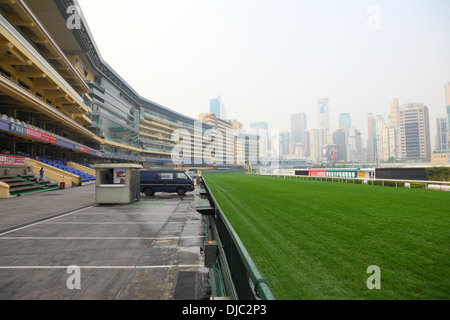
column 22, row 184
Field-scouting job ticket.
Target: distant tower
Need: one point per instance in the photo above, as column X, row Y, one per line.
column 414, row 132
column 345, row 121
column 442, row 134
column 394, row 112
column 447, row 102
column 372, row 137
column 214, row 106
column 298, row 127
column 324, row 117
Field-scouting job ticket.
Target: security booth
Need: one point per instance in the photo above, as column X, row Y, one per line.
column 117, row 183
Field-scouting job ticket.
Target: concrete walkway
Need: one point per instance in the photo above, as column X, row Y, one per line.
column 147, row 250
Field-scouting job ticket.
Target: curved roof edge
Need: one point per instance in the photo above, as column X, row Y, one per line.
column 86, row 41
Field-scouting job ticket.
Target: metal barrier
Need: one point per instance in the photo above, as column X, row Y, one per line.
column 241, row 278
column 417, row 184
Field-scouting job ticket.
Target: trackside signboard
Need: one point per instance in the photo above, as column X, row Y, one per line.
column 332, row 174
column 12, row 161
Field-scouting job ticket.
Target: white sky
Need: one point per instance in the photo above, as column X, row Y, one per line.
column 271, row 58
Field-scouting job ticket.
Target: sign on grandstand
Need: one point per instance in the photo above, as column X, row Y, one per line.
column 12, row 161
column 82, row 149
column 17, row 128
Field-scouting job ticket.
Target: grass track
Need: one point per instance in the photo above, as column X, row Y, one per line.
column 315, row 240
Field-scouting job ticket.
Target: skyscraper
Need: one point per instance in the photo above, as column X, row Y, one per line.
column 388, row 142
column 324, row 117
column 372, row 138
column 447, row 102
column 379, row 125
column 284, row 143
column 355, row 145
column 394, row 112
column 318, row 138
column 339, row 139
column 298, row 127
column 214, row 106
column 345, row 121
column 442, row 133
column 414, row 132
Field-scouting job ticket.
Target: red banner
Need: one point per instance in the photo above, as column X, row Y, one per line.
column 40, row 135
column 84, row 149
column 317, row 173
column 12, row 161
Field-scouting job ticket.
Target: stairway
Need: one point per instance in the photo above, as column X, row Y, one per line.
column 22, row 184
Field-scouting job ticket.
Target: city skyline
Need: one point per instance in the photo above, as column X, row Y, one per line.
column 270, row 60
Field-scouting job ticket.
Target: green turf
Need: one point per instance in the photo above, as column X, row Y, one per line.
column 315, row 240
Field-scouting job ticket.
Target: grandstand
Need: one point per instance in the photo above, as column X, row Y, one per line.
column 60, row 101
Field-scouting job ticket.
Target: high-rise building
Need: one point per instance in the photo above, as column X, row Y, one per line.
column 215, row 106
column 388, row 142
column 414, row 131
column 339, row 140
column 345, row 121
column 372, row 138
column 379, row 125
column 225, row 127
column 306, row 144
column 442, row 134
column 447, row 103
column 285, row 138
column 324, row 116
column 354, row 146
column 318, row 139
column 298, row 127
column 394, row 112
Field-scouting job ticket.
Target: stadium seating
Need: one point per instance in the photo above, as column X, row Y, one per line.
column 85, row 177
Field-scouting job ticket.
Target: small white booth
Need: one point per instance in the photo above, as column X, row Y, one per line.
column 117, row 183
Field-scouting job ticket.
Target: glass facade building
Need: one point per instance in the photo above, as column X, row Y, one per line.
column 324, row 117
column 414, row 132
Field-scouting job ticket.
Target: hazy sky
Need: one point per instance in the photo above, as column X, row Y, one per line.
column 271, row 58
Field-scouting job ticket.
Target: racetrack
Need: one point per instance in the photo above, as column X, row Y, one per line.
column 315, row 240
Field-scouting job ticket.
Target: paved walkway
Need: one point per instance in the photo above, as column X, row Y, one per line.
column 34, row 206
column 147, row 250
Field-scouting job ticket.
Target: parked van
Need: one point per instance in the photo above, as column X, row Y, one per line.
column 165, row 181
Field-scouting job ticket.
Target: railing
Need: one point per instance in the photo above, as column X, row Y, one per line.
column 415, row 184
column 242, row 279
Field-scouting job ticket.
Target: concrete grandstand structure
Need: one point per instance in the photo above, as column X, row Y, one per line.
column 60, row 100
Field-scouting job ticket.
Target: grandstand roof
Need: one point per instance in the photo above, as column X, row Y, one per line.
column 53, row 14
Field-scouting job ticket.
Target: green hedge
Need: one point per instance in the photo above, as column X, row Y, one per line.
column 438, row 173
column 417, row 185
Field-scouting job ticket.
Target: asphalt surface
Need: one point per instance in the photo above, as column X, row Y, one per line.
column 59, row 245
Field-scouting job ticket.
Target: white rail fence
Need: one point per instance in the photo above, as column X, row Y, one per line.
column 416, row 184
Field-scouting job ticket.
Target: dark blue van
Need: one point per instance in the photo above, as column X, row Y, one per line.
column 165, row 181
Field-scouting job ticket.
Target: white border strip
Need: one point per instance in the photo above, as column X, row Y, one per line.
column 100, row 238
column 106, row 267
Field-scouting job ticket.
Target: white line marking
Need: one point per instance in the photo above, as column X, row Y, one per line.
column 99, row 238
column 129, row 213
column 106, row 267
column 107, row 222
column 43, row 221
